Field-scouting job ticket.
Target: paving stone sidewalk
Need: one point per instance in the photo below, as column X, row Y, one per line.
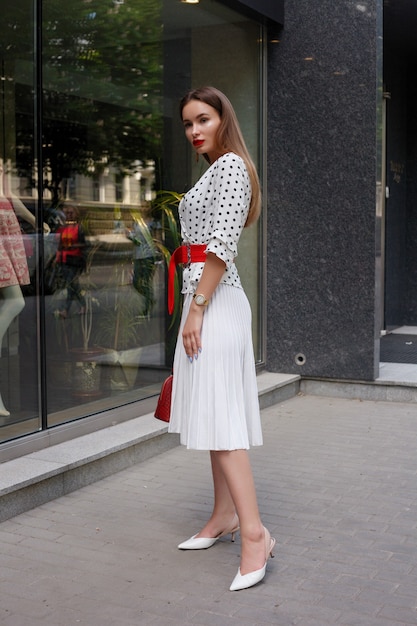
column 337, row 486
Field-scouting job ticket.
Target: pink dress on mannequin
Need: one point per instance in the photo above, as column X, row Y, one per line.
column 13, row 264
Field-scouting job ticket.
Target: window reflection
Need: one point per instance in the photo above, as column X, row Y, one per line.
column 102, row 127
column 111, row 168
column 19, row 384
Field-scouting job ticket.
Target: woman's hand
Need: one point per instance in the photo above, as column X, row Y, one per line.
column 210, row 278
column 191, row 334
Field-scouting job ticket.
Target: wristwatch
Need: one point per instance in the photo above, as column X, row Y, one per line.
column 200, row 299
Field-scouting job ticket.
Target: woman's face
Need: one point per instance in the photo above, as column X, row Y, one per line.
column 70, row 214
column 201, row 122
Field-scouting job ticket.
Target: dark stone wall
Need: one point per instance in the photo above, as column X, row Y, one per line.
column 410, row 317
column 322, row 161
column 395, row 80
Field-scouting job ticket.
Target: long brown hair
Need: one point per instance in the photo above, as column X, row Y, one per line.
column 230, row 138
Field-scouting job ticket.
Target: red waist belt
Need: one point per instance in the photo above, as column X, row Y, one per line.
column 189, row 253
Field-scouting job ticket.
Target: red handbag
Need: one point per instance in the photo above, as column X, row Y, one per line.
column 163, row 407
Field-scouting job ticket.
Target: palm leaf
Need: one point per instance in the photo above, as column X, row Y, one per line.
column 164, row 211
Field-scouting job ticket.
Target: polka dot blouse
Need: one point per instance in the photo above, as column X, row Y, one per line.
column 214, row 212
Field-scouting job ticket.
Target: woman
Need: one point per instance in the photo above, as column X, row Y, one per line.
column 215, row 398
column 70, row 258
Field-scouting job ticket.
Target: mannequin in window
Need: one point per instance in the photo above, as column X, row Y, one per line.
column 14, row 270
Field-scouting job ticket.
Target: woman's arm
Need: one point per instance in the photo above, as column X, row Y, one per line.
column 191, row 335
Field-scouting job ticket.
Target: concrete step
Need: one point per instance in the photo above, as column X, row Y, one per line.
column 377, row 390
column 36, row 478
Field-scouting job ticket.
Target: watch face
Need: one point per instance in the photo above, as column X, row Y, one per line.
column 200, row 299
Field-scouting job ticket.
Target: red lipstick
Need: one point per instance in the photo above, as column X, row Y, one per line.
column 197, row 143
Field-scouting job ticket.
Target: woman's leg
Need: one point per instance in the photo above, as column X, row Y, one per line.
column 224, row 508
column 12, row 303
column 77, row 292
column 237, row 474
column 70, row 277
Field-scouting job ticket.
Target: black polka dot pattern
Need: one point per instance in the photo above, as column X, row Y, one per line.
column 214, row 212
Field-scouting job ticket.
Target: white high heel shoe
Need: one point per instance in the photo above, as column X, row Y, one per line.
column 253, row 578
column 202, row 543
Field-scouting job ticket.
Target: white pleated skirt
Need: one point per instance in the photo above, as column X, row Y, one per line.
column 215, row 398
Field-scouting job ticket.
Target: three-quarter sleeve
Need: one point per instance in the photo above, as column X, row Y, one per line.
column 214, row 213
column 230, row 207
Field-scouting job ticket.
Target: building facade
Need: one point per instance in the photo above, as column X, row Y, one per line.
column 93, row 148
column 341, row 253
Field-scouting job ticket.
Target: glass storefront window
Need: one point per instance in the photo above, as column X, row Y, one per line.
column 102, row 127
column 19, row 320
column 111, row 168
column 216, row 46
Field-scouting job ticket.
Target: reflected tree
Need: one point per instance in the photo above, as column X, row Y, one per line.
column 102, row 85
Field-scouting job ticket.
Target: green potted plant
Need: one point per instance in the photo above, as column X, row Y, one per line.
column 164, row 208
column 86, row 368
